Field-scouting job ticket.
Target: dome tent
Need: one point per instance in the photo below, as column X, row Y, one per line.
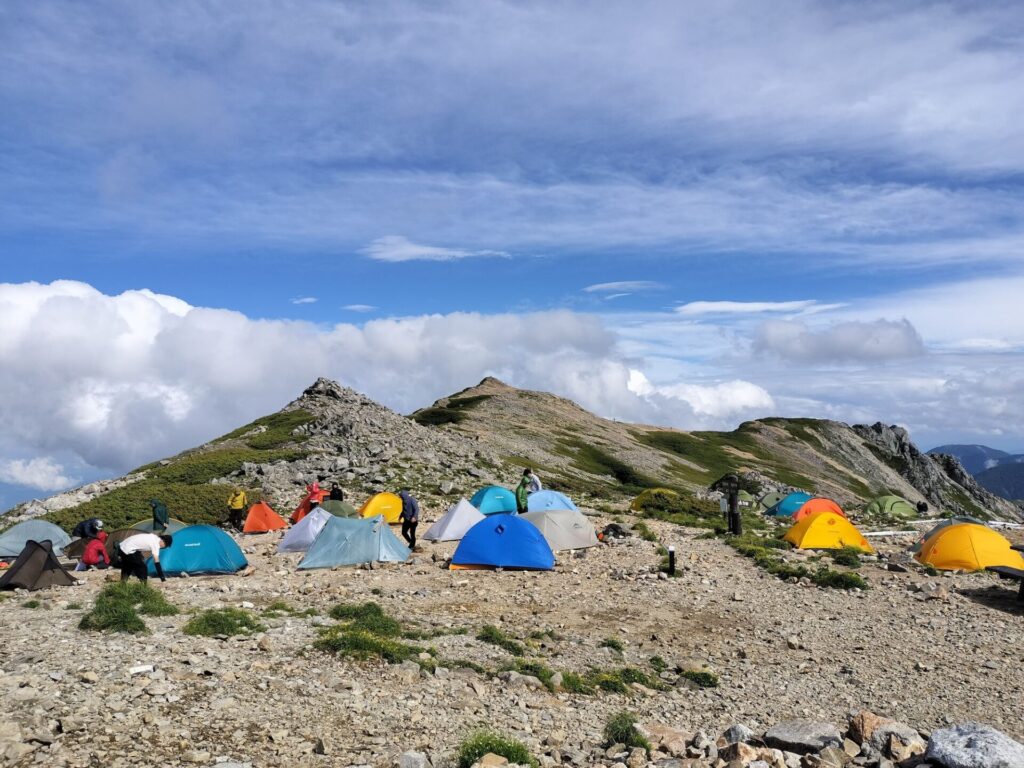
column 542, row 501
column 14, row 539
column 303, row 533
column 817, row 504
column 789, row 505
column 173, row 526
column 968, row 547
column 948, row 521
column 387, row 505
column 771, row 498
column 564, row 528
column 503, row 541
column 455, row 522
column 892, row 506
column 200, row 549
column 339, row 508
column 494, row 500
column 826, row 530
column 262, row 519
column 345, row 541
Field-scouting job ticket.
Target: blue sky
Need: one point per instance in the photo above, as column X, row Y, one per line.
column 353, row 190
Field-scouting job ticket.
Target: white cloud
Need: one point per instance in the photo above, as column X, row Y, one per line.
column 840, row 342
column 304, row 300
column 694, row 308
column 721, row 401
column 396, row 248
column 359, row 307
column 40, row 473
column 630, row 286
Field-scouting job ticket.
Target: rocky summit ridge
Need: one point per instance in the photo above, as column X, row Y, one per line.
column 487, row 433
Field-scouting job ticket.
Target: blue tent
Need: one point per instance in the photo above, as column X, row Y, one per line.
column 351, row 541
column 504, row 541
column 546, row 501
column 493, row 500
column 14, row 539
column 200, row 549
column 790, row 505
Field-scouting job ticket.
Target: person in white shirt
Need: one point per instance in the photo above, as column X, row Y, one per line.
column 134, row 551
column 534, row 485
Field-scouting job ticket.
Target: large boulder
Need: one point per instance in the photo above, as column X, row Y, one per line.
column 803, row 736
column 972, row 745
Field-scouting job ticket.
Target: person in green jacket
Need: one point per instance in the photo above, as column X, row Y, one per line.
column 160, row 516
column 523, row 493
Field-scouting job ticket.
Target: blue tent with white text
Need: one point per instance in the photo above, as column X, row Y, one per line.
column 198, row 549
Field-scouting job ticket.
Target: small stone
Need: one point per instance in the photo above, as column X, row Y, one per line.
column 89, row 677
column 737, row 733
column 971, row 745
column 412, row 759
column 490, row 759
column 803, row 736
column 637, row 758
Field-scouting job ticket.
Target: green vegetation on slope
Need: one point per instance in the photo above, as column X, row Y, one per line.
column 596, row 461
column 278, row 430
column 451, row 413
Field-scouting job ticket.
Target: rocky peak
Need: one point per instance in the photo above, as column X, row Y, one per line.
column 326, row 388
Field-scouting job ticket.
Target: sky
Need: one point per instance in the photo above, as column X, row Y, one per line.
column 677, row 213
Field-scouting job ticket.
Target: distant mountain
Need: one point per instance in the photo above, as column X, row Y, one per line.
column 975, row 458
column 996, row 471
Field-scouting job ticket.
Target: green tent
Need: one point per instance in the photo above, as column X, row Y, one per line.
column 173, row 525
column 769, row 500
column 339, row 508
column 892, row 506
column 748, row 501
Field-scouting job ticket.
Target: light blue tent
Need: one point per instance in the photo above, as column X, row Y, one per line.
column 14, row 539
column 304, row 532
column 546, row 501
column 494, row 500
column 349, row 541
column 790, row 505
column 200, row 549
column 504, row 541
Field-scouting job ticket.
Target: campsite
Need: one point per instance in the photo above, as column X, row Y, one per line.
column 543, row 626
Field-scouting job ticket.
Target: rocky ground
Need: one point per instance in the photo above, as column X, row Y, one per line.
column 928, row 651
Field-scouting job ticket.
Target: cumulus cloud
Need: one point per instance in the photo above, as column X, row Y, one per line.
column 875, row 341
column 41, row 473
column 398, row 248
column 116, row 381
column 628, row 286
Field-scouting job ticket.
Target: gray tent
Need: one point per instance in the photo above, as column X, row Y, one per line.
column 344, row 541
column 15, row 538
column 564, row 528
column 304, row 532
column 456, row 521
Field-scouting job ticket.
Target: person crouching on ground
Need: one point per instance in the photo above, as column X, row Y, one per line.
column 410, row 517
column 236, row 508
column 134, row 551
column 95, row 554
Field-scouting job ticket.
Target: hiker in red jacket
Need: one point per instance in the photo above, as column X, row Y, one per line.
column 95, row 555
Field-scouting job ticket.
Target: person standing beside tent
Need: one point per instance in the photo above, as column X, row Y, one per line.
column 535, row 484
column 134, row 551
column 237, row 502
column 523, row 493
column 160, row 515
column 410, row 517
column 95, row 555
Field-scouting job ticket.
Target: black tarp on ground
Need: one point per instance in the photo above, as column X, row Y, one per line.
column 36, row 568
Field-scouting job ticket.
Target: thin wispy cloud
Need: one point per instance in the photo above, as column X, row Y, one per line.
column 398, row 248
column 694, row 308
column 305, row 300
column 359, row 307
column 630, row 286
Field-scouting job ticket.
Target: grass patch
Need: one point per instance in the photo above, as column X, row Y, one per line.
column 702, row 678
column 483, row 742
column 645, row 533
column 765, row 554
column 658, row 664
column 621, row 729
column 429, row 634
column 452, row 412
column 362, row 645
column 491, row 634
column 278, row 428
column 614, row 643
column 595, row 461
column 532, row 668
column 118, row 606
column 223, row 621
column 367, row 617
column 280, row 608
column 31, row 604
column 847, row 556
column 573, row 682
column 72, row 606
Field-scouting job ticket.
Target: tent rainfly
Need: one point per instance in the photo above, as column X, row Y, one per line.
column 455, row 522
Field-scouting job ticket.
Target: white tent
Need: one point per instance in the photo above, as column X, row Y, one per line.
column 456, row 521
column 302, row 533
column 564, row 528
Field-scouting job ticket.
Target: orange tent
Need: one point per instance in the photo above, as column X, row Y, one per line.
column 817, row 504
column 303, row 509
column 262, row 518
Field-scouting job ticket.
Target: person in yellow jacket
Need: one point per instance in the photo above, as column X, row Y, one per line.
column 236, row 508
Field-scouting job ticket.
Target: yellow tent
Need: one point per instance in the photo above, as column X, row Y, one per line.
column 826, row 530
column 967, row 547
column 387, row 504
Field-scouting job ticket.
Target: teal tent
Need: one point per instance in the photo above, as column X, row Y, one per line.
column 17, row 536
column 494, row 500
column 347, row 541
column 790, row 505
column 200, row 549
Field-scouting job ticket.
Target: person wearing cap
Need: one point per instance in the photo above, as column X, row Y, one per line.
column 160, row 515
column 134, row 551
column 410, row 516
column 87, row 529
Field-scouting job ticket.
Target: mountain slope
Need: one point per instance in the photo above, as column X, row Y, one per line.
column 580, row 452
column 975, row 458
column 1006, row 480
